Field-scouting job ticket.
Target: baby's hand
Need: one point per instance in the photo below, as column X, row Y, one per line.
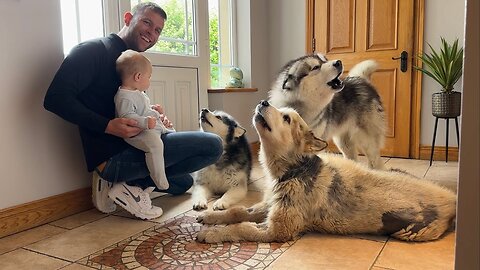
column 151, row 122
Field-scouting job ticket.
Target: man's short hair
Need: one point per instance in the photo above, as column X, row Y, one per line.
column 140, row 8
column 131, row 62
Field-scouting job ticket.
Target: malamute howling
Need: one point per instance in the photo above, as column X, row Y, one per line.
column 327, row 193
column 230, row 174
column 350, row 111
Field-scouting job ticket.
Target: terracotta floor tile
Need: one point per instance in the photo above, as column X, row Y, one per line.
column 435, row 255
column 413, row 166
column 445, row 174
column 317, row 251
column 75, row 266
column 79, row 242
column 79, row 219
column 24, row 259
column 28, row 237
column 257, row 172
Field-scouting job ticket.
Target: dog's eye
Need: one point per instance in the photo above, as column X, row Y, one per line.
column 218, row 117
column 315, row 67
column 286, row 118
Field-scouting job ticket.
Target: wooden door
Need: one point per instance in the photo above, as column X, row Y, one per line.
column 356, row 30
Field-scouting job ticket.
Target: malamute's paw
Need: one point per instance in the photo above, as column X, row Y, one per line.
column 220, row 205
column 209, row 235
column 200, row 205
column 209, row 218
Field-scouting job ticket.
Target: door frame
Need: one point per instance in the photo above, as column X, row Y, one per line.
column 416, row 87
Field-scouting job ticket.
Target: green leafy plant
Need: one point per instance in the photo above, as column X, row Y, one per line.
column 445, row 66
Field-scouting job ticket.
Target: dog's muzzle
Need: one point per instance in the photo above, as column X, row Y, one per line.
column 258, row 117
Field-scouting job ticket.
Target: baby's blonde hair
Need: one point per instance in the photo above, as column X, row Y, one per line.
column 131, row 62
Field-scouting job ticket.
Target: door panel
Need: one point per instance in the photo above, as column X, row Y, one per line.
column 176, row 89
column 356, row 30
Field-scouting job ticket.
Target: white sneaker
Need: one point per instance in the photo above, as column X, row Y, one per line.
column 100, row 189
column 135, row 200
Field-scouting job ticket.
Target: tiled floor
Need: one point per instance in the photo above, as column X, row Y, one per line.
column 91, row 240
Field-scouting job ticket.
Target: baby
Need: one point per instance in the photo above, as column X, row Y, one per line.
column 131, row 101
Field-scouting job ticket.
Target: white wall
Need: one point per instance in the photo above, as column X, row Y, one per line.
column 40, row 153
column 442, row 18
column 287, row 30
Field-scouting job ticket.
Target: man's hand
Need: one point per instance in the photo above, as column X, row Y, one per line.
column 123, row 127
column 167, row 123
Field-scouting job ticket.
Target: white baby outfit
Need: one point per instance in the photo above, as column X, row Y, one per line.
column 135, row 104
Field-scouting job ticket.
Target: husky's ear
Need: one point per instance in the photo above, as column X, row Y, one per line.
column 314, row 144
column 239, row 131
column 289, row 82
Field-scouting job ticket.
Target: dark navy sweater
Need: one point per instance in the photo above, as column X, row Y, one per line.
column 82, row 93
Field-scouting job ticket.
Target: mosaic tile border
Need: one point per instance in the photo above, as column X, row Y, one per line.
column 172, row 245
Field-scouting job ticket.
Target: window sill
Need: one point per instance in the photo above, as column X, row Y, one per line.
column 231, row 90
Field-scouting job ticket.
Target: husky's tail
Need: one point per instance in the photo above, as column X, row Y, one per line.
column 363, row 69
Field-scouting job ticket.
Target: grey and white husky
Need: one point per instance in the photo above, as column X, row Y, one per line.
column 230, row 174
column 350, row 111
column 327, row 193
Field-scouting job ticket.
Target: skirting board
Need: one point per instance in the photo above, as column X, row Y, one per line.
column 439, row 153
column 29, row 215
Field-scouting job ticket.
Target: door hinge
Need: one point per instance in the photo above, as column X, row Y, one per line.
column 313, row 45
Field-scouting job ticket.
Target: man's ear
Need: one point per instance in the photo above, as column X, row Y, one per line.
column 314, row 144
column 239, row 131
column 127, row 18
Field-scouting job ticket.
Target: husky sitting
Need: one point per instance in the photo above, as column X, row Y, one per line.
column 230, row 174
column 327, row 193
column 350, row 111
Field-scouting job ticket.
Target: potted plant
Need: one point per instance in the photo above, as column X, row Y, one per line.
column 445, row 67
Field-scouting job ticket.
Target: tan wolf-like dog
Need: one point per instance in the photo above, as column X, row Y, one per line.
column 327, row 193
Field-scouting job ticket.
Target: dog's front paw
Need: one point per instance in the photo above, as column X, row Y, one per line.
column 200, row 205
column 209, row 235
column 220, row 205
column 208, row 218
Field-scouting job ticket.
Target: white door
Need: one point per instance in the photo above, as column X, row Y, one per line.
column 176, row 89
column 179, row 81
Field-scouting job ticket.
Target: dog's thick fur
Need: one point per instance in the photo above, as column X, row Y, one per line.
column 350, row 111
column 230, row 174
column 327, row 193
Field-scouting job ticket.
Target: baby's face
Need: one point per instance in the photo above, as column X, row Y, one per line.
column 144, row 82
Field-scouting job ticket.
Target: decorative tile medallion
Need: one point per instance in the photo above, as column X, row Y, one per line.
column 172, row 245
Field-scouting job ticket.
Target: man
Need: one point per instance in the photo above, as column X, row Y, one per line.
column 82, row 93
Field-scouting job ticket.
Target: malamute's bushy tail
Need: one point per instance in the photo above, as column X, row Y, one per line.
column 363, row 69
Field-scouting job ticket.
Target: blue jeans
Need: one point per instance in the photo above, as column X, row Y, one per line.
column 184, row 153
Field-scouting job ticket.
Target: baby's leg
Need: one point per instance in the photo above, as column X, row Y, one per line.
column 151, row 143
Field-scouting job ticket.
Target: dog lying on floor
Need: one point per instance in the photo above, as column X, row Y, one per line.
column 327, row 193
column 229, row 176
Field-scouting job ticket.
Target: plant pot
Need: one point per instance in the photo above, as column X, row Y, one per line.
column 446, row 104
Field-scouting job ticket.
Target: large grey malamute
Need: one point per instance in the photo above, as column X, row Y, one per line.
column 229, row 176
column 350, row 111
column 327, row 193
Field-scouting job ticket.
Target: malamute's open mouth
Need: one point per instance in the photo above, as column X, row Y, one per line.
column 259, row 117
column 204, row 119
column 336, row 83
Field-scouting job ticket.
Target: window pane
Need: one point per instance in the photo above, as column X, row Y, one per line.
column 178, row 36
column 81, row 20
column 221, row 36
